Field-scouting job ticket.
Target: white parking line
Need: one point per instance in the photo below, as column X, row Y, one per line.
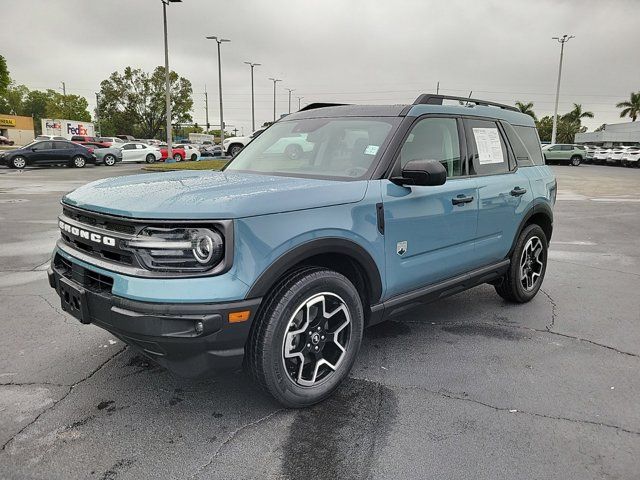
column 631, row 200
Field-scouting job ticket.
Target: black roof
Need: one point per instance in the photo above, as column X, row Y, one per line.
column 347, row 111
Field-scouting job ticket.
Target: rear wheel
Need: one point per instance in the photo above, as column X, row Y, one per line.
column 19, row 162
column 528, row 266
column 194, row 157
column 306, row 337
column 78, row 161
column 150, row 158
column 109, row 160
column 235, row 149
column 575, row 160
column 177, row 157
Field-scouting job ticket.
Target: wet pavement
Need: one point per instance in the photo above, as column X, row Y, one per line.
column 468, row 387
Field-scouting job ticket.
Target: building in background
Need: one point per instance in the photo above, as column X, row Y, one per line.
column 627, row 133
column 67, row 128
column 16, row 128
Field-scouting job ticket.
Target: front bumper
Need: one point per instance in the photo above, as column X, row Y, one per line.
column 165, row 332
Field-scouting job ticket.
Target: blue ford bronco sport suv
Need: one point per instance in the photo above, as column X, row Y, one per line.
column 334, row 219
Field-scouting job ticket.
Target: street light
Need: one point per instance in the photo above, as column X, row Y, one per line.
column 166, row 76
column 253, row 107
column 562, row 40
column 274, row 80
column 219, row 41
column 290, row 90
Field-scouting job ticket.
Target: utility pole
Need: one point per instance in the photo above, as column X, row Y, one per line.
column 98, row 112
column 167, row 85
column 64, row 89
column 253, row 104
column 219, row 41
column 64, row 98
column 290, row 90
column 206, row 106
column 562, row 40
column 299, row 99
column 274, row 80
column 438, row 88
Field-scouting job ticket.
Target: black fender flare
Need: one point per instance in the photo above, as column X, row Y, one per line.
column 315, row 247
column 542, row 208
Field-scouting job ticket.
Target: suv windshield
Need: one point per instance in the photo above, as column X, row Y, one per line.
column 341, row 148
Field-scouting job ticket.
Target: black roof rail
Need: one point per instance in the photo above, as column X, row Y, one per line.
column 313, row 106
column 431, row 99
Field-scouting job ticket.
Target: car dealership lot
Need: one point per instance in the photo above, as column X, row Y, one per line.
column 468, row 387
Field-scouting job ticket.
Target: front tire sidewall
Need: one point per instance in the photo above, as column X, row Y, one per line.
column 150, row 158
column 235, row 150
column 575, row 161
column 277, row 379
column 19, row 161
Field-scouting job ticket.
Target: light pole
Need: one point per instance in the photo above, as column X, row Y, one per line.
column 562, row 40
column 98, row 112
column 290, row 90
column 274, row 80
column 253, row 106
column 299, row 100
column 219, row 41
column 166, row 77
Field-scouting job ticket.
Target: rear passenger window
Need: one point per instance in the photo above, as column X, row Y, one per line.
column 434, row 139
column 529, row 136
column 489, row 152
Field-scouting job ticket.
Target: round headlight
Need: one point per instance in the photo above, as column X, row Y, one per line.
column 206, row 245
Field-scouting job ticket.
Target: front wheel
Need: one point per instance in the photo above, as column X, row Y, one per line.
column 177, row 157
column 109, row 160
column 575, row 160
column 293, row 151
column 194, row 157
column 527, row 268
column 306, row 337
column 78, row 161
column 150, row 158
column 235, row 150
column 19, row 162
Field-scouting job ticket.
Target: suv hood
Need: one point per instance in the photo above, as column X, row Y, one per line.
column 210, row 195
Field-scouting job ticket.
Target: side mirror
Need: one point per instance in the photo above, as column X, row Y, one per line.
column 425, row 173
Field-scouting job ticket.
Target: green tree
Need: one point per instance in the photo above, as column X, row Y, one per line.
column 526, row 108
column 72, row 107
column 133, row 102
column 631, row 108
column 577, row 114
column 35, row 105
column 5, row 79
column 545, row 127
column 12, row 101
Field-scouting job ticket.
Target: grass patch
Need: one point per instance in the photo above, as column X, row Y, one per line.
column 201, row 165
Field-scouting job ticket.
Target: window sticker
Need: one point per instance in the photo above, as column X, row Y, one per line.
column 489, row 146
column 371, row 150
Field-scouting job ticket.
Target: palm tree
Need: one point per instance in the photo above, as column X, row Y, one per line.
column 631, row 108
column 526, row 108
column 577, row 114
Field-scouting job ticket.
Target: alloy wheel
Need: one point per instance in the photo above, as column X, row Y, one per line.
column 109, row 160
column 79, row 162
column 531, row 264
column 19, row 162
column 316, row 339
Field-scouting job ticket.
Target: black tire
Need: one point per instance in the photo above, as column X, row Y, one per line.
column 293, row 151
column 78, row 162
column 194, row 157
column 576, row 160
column 511, row 286
column 266, row 350
column 235, row 149
column 177, row 157
column 109, row 160
column 18, row 162
column 150, row 158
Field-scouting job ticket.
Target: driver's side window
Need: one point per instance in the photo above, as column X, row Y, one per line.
column 434, row 139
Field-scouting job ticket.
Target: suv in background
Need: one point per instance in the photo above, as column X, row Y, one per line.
column 281, row 262
column 564, row 153
column 233, row 145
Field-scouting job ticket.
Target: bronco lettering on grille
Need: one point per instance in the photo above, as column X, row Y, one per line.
column 87, row 235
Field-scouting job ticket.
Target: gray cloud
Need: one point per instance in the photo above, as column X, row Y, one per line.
column 336, row 50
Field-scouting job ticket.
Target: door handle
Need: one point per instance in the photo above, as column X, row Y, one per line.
column 517, row 191
column 461, row 199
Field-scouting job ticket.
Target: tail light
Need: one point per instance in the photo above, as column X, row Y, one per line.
column 90, row 149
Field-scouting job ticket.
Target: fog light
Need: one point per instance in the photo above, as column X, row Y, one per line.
column 199, row 327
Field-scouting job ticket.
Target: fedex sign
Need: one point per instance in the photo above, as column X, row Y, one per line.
column 67, row 128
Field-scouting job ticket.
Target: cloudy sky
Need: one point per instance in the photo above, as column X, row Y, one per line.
column 352, row 51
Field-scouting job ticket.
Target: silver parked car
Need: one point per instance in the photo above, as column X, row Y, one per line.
column 108, row 156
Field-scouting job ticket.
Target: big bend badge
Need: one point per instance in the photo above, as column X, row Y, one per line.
column 401, row 248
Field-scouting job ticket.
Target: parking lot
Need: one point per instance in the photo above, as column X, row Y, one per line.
column 468, row 387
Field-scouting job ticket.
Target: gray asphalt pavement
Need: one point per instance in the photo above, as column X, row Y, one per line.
column 468, row 387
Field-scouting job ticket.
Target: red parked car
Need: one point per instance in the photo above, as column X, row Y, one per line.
column 178, row 153
column 85, row 138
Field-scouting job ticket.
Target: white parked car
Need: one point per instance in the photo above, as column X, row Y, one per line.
column 601, row 154
column 139, row 152
column 114, row 141
column 233, row 145
column 49, row 137
column 616, row 154
column 631, row 158
column 191, row 151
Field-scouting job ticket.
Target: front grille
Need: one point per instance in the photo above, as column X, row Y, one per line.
column 100, row 251
column 89, row 279
column 100, row 221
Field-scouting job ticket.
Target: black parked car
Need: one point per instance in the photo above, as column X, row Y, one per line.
column 48, row 152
